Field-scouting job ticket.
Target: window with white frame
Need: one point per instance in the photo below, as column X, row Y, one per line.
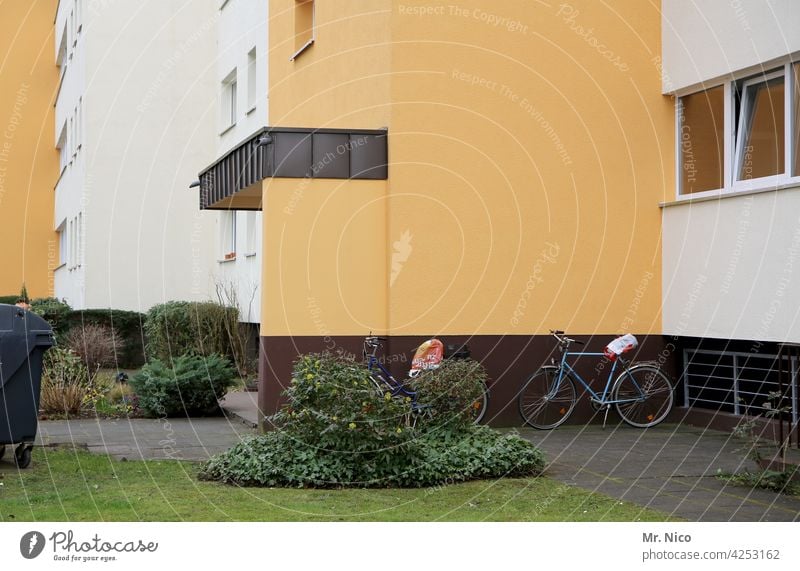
column 252, row 222
column 228, row 235
column 228, row 101
column 795, row 131
column 79, row 241
column 61, row 56
column 79, row 15
column 61, row 145
column 701, row 123
column 252, row 78
column 71, row 237
column 760, row 135
column 63, row 244
column 78, row 125
column 743, row 134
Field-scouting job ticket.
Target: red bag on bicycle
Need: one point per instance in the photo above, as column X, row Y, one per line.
column 429, row 355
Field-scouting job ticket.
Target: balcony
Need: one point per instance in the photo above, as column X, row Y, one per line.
column 233, row 181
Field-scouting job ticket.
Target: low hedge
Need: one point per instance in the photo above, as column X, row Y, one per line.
column 126, row 324
column 182, row 327
column 338, row 430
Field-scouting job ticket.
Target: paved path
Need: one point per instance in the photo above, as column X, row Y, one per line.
column 183, row 439
column 669, row 468
column 242, row 405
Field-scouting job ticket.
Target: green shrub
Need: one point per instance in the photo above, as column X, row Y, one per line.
column 338, row 430
column 181, row 327
column 9, row 299
column 66, row 382
column 55, row 311
column 451, row 391
column 190, row 387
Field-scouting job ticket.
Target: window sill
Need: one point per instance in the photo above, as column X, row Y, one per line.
column 226, row 129
column 251, row 254
column 253, row 108
column 303, row 48
column 721, row 194
column 60, row 266
column 226, row 260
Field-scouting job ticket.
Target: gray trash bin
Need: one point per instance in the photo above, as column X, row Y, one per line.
column 24, row 337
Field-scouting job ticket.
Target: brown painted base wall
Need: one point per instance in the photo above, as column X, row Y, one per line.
column 509, row 360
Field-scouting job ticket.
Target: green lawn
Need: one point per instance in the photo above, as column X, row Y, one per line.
column 78, row 486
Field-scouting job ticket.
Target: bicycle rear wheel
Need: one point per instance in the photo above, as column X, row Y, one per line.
column 480, row 405
column 646, row 396
column 544, row 401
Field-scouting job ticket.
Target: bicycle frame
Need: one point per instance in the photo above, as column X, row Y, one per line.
column 602, row 399
column 382, row 374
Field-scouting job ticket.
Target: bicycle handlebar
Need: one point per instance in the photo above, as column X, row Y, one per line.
column 563, row 339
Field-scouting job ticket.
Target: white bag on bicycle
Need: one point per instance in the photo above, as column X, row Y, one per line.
column 620, row 345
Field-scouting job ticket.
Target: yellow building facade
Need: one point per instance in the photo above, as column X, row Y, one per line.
column 28, row 158
column 529, row 147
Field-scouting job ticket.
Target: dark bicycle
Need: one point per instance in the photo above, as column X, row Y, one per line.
column 385, row 382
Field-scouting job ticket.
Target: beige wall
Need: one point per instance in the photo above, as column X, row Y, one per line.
column 28, row 159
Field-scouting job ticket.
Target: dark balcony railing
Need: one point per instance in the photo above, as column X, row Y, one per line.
column 282, row 152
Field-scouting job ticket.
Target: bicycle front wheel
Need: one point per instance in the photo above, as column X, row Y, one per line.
column 547, row 401
column 644, row 396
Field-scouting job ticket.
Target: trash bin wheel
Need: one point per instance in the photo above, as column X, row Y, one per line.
column 2, row 451
column 23, row 455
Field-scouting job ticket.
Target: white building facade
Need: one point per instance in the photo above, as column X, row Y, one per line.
column 242, row 64
column 731, row 236
column 135, row 114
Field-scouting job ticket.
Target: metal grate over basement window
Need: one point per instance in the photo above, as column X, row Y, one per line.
column 284, row 152
column 735, row 382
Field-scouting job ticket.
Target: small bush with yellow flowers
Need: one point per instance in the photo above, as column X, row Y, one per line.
column 338, row 429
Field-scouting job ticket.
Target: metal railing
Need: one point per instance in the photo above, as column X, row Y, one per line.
column 747, row 383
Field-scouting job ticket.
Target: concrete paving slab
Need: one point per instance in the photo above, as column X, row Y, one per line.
column 668, row 467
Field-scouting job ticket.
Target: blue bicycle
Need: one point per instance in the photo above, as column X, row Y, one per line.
column 642, row 394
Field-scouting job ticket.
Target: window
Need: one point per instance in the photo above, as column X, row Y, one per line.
column 78, row 126
column 303, row 26
column 61, row 145
column 71, row 240
column 252, row 77
column 760, row 136
column 79, row 14
column 72, row 35
column 229, row 95
column 252, row 223
column 62, row 50
column 79, row 241
column 796, row 115
column 702, row 148
column 228, row 236
column 743, row 135
column 63, row 244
